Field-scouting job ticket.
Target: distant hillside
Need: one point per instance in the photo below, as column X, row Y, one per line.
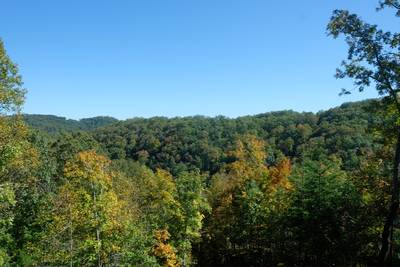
column 202, row 142
column 53, row 124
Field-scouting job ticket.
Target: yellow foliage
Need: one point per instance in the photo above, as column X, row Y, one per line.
column 279, row 174
column 250, row 162
column 17, row 156
column 250, row 166
column 89, row 166
column 164, row 251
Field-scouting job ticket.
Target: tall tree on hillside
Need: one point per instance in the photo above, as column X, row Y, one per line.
column 14, row 151
column 12, row 132
column 11, row 90
column 193, row 202
column 374, row 59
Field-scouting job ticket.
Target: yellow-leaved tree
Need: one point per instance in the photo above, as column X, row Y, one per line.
column 86, row 222
column 246, row 197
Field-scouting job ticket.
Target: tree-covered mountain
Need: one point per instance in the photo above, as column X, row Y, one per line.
column 53, row 124
column 202, row 142
column 279, row 187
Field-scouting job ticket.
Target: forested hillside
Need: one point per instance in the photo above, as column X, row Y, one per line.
column 206, row 191
column 203, row 143
column 52, row 124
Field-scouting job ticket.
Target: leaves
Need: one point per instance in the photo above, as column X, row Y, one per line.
column 11, row 91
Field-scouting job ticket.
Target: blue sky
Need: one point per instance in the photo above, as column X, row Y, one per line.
column 128, row 58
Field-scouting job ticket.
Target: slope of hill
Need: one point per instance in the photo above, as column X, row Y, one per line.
column 202, row 142
column 53, row 124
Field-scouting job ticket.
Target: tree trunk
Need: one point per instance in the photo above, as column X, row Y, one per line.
column 99, row 263
column 98, row 242
column 385, row 252
column 71, row 241
column 71, row 247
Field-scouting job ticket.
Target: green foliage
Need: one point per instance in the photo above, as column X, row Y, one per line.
column 55, row 125
column 66, row 146
column 202, row 143
column 7, row 202
column 17, row 158
column 193, row 205
column 373, row 59
column 86, row 219
column 324, row 210
column 11, row 91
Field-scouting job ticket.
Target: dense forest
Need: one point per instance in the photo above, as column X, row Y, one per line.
column 51, row 124
column 245, row 191
column 275, row 189
column 203, row 143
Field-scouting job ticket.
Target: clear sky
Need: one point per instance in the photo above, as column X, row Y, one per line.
column 128, row 58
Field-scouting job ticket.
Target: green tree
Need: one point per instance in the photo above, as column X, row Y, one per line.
column 11, row 91
column 86, row 219
column 372, row 181
column 17, row 157
column 194, row 205
column 323, row 214
column 373, row 58
column 7, row 202
column 154, row 209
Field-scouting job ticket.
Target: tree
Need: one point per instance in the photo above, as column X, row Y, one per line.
column 164, row 252
column 323, row 215
column 374, row 58
column 193, row 203
column 11, row 91
column 12, row 131
column 86, row 219
column 17, row 157
column 67, row 146
column 372, row 181
column 245, row 197
column 7, row 202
